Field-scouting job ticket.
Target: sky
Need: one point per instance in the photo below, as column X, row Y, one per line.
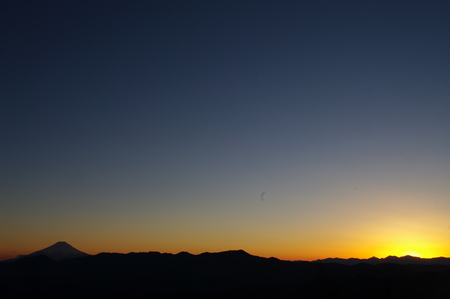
column 295, row 129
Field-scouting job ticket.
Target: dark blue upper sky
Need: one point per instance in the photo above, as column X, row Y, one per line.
column 151, row 104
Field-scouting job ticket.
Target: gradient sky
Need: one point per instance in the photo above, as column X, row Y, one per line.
column 157, row 125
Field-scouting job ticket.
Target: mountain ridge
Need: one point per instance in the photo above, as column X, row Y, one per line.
column 227, row 274
column 403, row 260
column 62, row 250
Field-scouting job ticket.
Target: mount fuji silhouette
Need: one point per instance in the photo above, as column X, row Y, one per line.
column 59, row 251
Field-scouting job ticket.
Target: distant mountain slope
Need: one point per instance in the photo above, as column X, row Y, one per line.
column 404, row 260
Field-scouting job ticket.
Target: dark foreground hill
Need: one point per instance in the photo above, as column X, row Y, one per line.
column 231, row 274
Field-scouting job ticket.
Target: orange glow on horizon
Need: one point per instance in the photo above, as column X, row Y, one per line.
column 339, row 230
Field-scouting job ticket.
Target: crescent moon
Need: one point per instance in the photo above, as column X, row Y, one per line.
column 262, row 195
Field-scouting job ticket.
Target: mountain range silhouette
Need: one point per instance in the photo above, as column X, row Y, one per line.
column 229, row 274
column 404, row 260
